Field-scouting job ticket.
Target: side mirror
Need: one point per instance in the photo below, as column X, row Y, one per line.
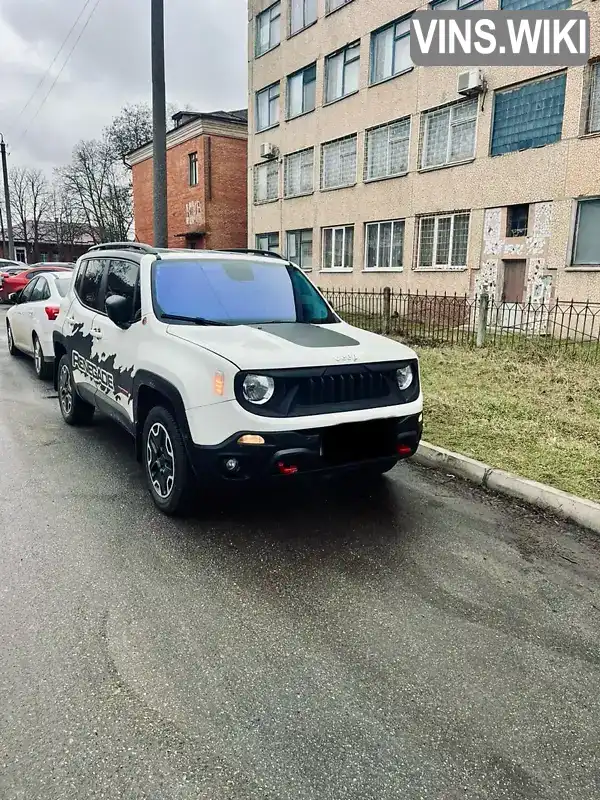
column 15, row 297
column 118, row 309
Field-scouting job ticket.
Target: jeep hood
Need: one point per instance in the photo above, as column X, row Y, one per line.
column 292, row 344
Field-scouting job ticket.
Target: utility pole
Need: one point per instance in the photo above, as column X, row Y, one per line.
column 159, row 120
column 3, row 231
column 11, row 241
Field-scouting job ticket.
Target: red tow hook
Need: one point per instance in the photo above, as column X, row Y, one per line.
column 403, row 450
column 287, row 470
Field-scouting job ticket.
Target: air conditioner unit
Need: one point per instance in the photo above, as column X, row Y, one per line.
column 268, row 150
column 470, row 83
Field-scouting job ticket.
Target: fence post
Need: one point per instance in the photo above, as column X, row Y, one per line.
column 484, row 301
column 387, row 309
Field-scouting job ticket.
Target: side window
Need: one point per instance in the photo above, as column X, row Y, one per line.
column 40, row 290
column 90, row 283
column 123, row 279
column 28, row 290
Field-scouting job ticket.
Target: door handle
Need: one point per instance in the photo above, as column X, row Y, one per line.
column 96, row 333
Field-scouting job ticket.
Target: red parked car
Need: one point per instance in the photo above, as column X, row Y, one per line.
column 13, row 283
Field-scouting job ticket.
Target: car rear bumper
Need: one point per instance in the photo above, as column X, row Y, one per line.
column 302, row 452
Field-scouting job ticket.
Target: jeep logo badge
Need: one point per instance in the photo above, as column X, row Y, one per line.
column 346, row 359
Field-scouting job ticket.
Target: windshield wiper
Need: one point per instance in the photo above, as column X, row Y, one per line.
column 195, row 320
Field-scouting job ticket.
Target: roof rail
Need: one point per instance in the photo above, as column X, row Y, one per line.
column 266, row 253
column 141, row 248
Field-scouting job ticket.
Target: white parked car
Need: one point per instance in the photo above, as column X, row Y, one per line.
column 30, row 321
column 229, row 366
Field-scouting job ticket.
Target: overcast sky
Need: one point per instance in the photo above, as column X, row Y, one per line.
column 206, row 67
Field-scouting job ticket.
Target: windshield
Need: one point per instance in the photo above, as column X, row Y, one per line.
column 236, row 292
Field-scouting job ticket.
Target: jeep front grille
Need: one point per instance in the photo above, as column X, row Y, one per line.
column 324, row 390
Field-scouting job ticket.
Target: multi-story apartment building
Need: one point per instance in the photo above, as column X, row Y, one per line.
column 376, row 172
column 206, row 181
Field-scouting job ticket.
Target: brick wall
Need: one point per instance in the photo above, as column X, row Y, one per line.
column 221, row 193
column 227, row 209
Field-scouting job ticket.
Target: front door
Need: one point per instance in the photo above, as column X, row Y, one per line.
column 81, row 336
column 120, row 346
column 20, row 316
column 513, row 292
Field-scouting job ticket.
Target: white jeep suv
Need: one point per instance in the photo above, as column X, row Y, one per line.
column 229, row 366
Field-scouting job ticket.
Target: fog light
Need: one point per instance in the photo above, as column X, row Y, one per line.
column 251, row 438
column 232, row 465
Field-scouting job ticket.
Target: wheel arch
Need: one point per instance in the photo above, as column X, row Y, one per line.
column 150, row 390
column 60, row 350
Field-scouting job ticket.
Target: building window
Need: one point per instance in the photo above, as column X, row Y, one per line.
column 442, row 241
column 333, row 5
column 338, row 163
column 528, row 116
column 517, row 219
column 302, row 14
column 593, row 116
column 386, row 150
column 267, row 242
column 44, row 258
column 268, row 29
column 457, row 5
column 342, row 72
column 299, row 248
column 301, row 91
column 266, row 182
column 21, row 255
column 193, row 169
column 298, row 173
column 390, row 50
column 534, row 5
column 338, row 248
column 267, row 107
column 448, row 134
column 384, row 245
column 586, row 249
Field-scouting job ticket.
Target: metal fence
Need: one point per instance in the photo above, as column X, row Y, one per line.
column 436, row 319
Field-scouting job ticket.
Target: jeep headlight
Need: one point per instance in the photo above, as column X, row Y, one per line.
column 404, row 378
column 258, row 389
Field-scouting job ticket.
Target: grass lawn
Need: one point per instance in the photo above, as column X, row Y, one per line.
column 533, row 414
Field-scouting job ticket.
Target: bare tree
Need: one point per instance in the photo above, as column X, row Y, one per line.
column 30, row 200
column 131, row 128
column 100, row 189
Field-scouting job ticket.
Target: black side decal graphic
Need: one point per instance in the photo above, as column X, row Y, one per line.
column 101, row 371
column 308, row 335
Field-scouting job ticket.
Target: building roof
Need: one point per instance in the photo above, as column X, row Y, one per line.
column 183, row 118
column 47, row 233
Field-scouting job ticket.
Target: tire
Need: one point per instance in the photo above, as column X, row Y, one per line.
column 168, row 472
column 11, row 342
column 74, row 410
column 42, row 368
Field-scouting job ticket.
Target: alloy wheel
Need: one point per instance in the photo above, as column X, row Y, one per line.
column 37, row 356
column 65, row 390
column 160, row 460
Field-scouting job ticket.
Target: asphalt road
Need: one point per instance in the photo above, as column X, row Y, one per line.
column 424, row 640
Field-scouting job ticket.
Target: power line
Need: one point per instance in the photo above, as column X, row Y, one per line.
column 54, row 60
column 60, row 72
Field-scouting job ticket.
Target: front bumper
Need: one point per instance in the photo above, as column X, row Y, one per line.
column 317, row 450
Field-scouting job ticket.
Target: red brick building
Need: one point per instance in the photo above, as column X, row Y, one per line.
column 207, row 157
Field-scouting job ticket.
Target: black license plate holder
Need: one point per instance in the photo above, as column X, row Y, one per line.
column 358, row 441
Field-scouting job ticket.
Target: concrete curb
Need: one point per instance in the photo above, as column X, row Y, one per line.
column 568, row 506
